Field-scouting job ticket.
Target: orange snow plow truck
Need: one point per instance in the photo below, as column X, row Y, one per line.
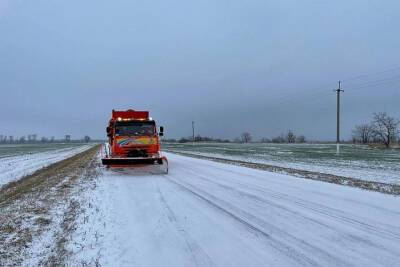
column 133, row 140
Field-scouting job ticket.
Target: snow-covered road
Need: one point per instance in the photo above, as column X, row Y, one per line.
column 205, row 213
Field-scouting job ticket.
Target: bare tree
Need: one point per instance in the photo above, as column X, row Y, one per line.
column 291, row 137
column 87, row 138
column 246, row 137
column 385, row 128
column 363, row 133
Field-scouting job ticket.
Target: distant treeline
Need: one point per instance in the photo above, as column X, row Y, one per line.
column 33, row 139
column 197, row 138
column 382, row 130
column 245, row 137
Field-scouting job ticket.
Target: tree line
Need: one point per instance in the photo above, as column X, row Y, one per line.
column 33, row 139
column 245, row 137
column 197, row 138
column 289, row 138
column 383, row 129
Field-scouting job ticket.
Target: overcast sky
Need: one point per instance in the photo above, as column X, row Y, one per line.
column 231, row 66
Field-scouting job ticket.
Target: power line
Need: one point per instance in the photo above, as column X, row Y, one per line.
column 320, row 90
column 376, row 83
column 371, row 74
column 314, row 95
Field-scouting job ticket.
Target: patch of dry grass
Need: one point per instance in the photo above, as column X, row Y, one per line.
column 26, row 205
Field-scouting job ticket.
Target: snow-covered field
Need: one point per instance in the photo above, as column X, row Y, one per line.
column 18, row 161
column 205, row 213
column 359, row 162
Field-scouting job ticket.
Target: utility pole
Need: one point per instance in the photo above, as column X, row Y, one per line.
column 338, row 91
column 193, row 133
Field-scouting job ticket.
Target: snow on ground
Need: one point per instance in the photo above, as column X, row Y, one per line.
column 205, row 213
column 16, row 167
column 369, row 171
column 39, row 213
column 42, row 245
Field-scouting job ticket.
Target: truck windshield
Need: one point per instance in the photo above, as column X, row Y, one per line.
column 135, row 128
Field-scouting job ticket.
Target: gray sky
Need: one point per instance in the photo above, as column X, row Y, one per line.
column 260, row 66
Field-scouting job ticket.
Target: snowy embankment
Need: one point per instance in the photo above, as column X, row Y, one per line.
column 366, row 171
column 205, row 213
column 16, row 167
column 38, row 211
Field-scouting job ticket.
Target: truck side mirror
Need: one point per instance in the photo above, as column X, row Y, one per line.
column 161, row 131
column 108, row 129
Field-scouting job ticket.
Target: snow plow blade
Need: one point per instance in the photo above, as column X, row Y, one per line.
column 161, row 163
column 129, row 161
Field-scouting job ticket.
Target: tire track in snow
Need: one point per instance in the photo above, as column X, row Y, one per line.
column 279, row 245
column 317, row 208
column 200, row 258
column 347, row 236
column 241, row 173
